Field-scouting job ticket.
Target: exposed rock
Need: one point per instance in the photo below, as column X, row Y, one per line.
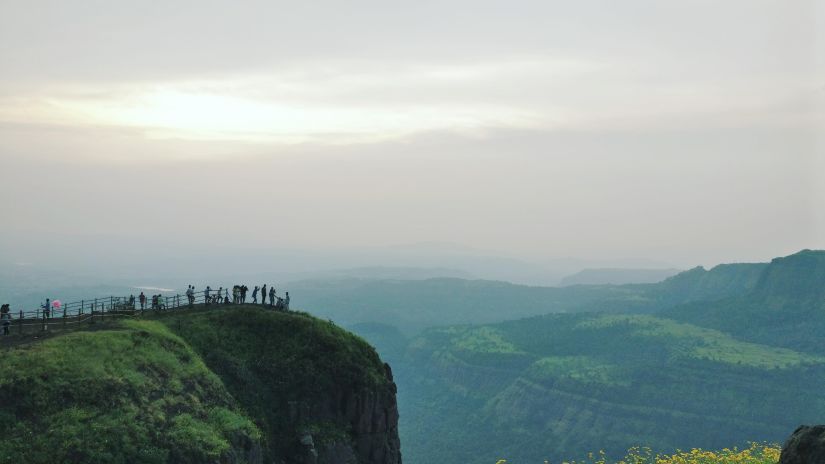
column 337, row 453
column 371, row 419
column 244, row 450
column 805, row 446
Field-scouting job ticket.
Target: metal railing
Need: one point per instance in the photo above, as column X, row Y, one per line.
column 111, row 307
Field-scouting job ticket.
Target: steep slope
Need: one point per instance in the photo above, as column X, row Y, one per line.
column 557, row 386
column 236, row 384
column 786, row 306
column 699, row 284
column 299, row 377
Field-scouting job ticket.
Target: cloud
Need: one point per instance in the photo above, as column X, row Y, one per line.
column 342, row 101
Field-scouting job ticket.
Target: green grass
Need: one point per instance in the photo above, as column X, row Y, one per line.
column 690, row 341
column 578, row 368
column 482, row 340
column 135, row 393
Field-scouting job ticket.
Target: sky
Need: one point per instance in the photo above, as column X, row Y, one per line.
column 678, row 133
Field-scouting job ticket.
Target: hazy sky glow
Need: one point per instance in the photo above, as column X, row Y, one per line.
column 689, row 132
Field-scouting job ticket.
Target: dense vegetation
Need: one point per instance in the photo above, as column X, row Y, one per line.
column 786, row 306
column 756, row 453
column 195, row 386
column 707, row 358
column 552, row 386
column 710, row 359
column 135, row 393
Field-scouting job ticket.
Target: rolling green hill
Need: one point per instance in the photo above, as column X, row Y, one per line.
column 711, row 358
column 556, row 386
column 238, row 384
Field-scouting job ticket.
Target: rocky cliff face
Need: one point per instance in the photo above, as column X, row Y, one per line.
column 805, row 446
column 319, row 394
column 370, row 416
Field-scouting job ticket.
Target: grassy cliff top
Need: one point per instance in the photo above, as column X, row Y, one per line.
column 132, row 393
column 187, row 386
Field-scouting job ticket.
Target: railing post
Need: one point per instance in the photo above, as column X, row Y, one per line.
column 21, row 321
column 80, row 311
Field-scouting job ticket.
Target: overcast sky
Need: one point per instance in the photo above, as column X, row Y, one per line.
column 686, row 132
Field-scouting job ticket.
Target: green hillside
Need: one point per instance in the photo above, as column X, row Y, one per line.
column 134, row 393
column 551, row 387
column 786, row 306
column 707, row 358
column 241, row 384
column 699, row 284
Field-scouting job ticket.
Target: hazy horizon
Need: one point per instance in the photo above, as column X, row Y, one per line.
column 593, row 132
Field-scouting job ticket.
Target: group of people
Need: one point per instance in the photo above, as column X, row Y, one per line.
column 282, row 303
column 239, row 296
column 158, row 302
column 221, row 296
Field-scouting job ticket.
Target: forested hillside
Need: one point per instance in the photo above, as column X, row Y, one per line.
column 710, row 358
column 786, row 306
column 555, row 386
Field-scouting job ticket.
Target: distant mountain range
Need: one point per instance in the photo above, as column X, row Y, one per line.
column 706, row 358
column 616, row 276
column 413, row 305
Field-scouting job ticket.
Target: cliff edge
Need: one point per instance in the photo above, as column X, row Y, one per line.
column 237, row 384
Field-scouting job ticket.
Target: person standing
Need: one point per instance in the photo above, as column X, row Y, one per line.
column 142, row 299
column 255, row 295
column 5, row 318
column 263, row 294
column 244, row 289
column 272, row 296
column 206, row 295
column 286, row 302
